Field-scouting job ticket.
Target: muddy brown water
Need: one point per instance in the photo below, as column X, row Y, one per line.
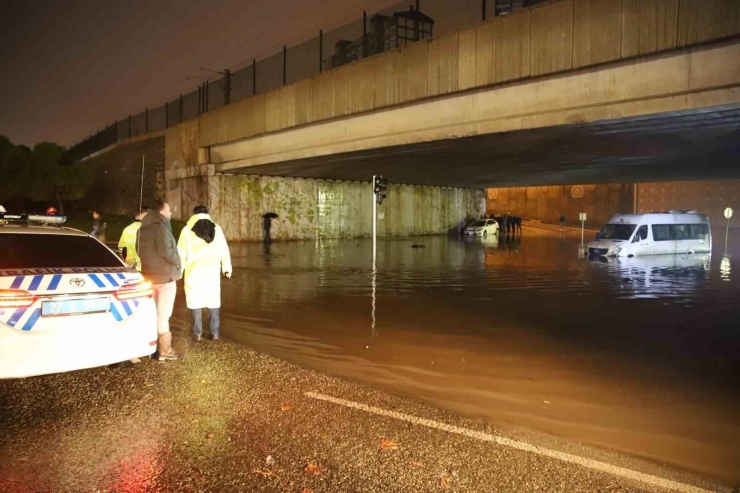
column 638, row 355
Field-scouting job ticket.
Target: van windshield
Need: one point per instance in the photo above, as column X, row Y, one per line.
column 616, row 232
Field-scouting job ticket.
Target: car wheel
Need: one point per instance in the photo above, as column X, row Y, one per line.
column 121, row 366
column 485, row 233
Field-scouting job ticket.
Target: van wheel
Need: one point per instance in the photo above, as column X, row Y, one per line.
column 690, row 252
column 631, row 255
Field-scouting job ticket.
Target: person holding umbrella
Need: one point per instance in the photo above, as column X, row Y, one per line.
column 267, row 224
column 205, row 255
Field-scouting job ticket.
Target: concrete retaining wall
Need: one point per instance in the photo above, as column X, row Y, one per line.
column 311, row 209
column 708, row 197
column 602, row 201
column 599, row 202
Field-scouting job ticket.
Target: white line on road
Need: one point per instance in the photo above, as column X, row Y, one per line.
column 573, row 459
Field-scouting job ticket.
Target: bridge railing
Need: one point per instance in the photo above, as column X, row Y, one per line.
column 556, row 36
column 300, row 59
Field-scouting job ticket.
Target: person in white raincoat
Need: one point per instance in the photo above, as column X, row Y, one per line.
column 205, row 255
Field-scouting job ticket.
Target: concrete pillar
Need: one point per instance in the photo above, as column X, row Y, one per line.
column 227, row 86
column 203, row 155
column 285, row 64
column 364, row 34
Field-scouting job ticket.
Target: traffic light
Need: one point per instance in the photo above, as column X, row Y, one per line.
column 379, row 187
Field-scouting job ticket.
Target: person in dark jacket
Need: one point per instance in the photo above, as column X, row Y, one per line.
column 160, row 264
column 99, row 226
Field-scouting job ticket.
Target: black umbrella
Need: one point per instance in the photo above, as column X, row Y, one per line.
column 270, row 215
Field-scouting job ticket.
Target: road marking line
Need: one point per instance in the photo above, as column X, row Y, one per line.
column 573, row 459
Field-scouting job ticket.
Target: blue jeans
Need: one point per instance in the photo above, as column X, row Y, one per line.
column 215, row 316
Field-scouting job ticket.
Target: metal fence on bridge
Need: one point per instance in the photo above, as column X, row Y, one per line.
column 388, row 28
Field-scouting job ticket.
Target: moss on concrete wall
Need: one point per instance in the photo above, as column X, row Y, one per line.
column 310, row 209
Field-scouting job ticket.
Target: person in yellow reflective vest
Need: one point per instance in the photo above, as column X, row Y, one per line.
column 205, row 255
column 128, row 241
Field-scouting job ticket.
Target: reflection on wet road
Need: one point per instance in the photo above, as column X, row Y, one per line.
column 638, row 355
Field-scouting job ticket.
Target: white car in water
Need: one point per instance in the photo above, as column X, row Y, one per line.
column 482, row 227
column 67, row 302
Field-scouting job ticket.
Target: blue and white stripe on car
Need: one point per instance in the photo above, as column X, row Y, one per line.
column 66, row 282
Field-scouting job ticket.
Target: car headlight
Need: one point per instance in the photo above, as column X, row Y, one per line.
column 614, row 251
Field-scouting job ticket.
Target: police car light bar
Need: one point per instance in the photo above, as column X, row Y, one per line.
column 32, row 218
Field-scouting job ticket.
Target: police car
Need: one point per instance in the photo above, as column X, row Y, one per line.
column 67, row 302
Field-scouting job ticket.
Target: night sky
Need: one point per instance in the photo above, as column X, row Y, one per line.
column 69, row 68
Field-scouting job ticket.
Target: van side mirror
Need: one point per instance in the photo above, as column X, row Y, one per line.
column 636, row 239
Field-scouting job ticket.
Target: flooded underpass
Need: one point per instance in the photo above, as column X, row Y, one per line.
column 637, row 355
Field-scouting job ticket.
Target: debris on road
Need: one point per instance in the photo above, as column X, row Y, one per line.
column 388, row 445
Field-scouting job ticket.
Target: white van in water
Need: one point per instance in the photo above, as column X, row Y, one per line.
column 674, row 232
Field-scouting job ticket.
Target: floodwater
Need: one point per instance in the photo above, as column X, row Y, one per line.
column 637, row 355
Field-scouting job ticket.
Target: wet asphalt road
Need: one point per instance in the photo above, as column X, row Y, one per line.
column 228, row 418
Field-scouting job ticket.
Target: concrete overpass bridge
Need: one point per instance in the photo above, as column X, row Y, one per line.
column 572, row 91
column 671, row 115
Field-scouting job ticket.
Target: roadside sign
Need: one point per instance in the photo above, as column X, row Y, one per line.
column 582, row 218
column 728, row 215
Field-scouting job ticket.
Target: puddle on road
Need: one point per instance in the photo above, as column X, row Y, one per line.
column 638, row 355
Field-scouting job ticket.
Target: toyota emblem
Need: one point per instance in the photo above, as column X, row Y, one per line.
column 77, row 282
